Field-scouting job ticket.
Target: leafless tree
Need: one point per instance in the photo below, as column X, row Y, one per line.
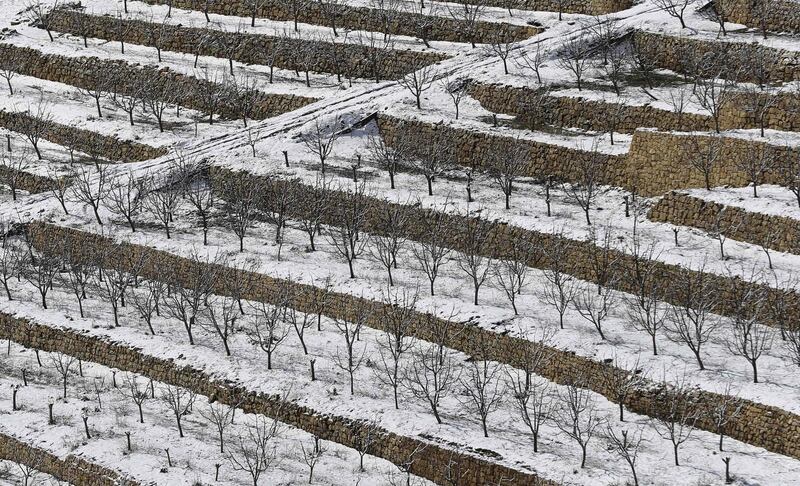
column 690, row 320
column 136, row 392
column 13, row 169
column 501, row 45
column 390, row 158
column 756, row 162
column 675, row 8
column 11, row 261
column 468, row 15
column 590, row 168
column 240, row 205
column 677, row 413
column 125, row 198
column 679, row 98
column 456, row 89
column 482, row 388
column 391, row 225
column 575, row 57
column 40, row 270
column 185, row 298
column 749, row 338
column 247, row 98
column 332, row 10
column 792, row 344
column 300, row 321
column 431, row 250
column 705, row 155
column 644, row 307
column 202, row 198
column 91, row 188
column 533, row 399
column 419, row 80
column 721, row 228
column 593, row 306
column 221, row 416
column 350, row 329
column 209, row 92
column 477, row 252
column 560, row 287
column 180, row 402
column 162, row 201
column 508, row 166
column 396, row 339
column 8, row 72
column 146, row 302
column 36, row 125
column 511, row 274
column 321, row 139
column 727, row 407
column 311, row 456
column 626, row 446
column 268, row 330
column 532, row 60
column 39, row 13
column 317, row 206
column 431, row 376
column 253, row 451
column 643, row 57
column 158, row 97
column 63, row 364
column 347, row 237
column 365, row 435
column 623, row 379
column 122, row 27
column 220, row 316
column 757, row 104
column 713, row 95
column 577, row 416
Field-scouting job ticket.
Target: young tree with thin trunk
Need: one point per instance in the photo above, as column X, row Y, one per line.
column 240, row 206
column 690, row 320
column 397, row 338
column 63, row 364
column 483, row 389
column 675, row 8
column 623, row 379
column 39, row 13
column 756, row 162
column 40, row 270
column 577, row 416
column 180, row 402
column 11, row 264
column 268, row 330
column 511, row 274
column 186, row 298
column 311, row 456
column 431, row 250
column 468, row 15
column 749, row 338
column 14, row 168
column 137, row 392
column 419, row 80
column 559, row 287
column 576, row 57
column 347, row 237
column 705, row 155
column 321, row 138
column 221, row 416
column 36, row 125
column 350, row 329
column 91, row 188
column 727, row 407
column 532, row 61
column 508, row 166
column 220, row 318
column 477, row 256
column 162, row 201
column 391, row 158
column 431, row 376
column 125, row 197
column 677, row 413
column 146, row 302
column 391, row 225
column 713, row 95
column 456, row 90
column 644, row 307
column 300, row 321
column 590, row 170
column 593, row 306
column 626, row 445
column 253, row 451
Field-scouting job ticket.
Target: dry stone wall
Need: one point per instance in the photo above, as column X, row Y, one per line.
column 398, row 22
column 25, row 181
column 777, row 232
column 595, row 115
column 125, row 79
column 347, row 59
column 476, row 149
column 658, row 162
column 431, row 464
column 73, row 470
column 761, row 425
column 776, row 15
column 109, row 148
column 674, row 52
column 590, row 7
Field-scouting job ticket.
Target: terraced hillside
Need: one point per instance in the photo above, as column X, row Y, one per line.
column 389, row 242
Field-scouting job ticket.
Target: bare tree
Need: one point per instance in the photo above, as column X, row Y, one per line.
column 146, row 302
column 727, row 408
column 268, row 330
column 690, row 319
column 468, row 15
column 91, row 188
column 36, row 125
column 431, row 250
column 186, row 297
column 756, row 161
column 13, row 170
column 221, row 416
column 575, row 57
column 507, row 167
column 180, row 402
column 623, row 379
column 350, row 329
column 321, row 139
column 40, row 270
column 136, row 392
column 511, row 274
column 332, row 10
column 7, row 72
column 626, row 446
column 364, row 436
column 158, row 97
column 391, row 225
column 483, row 388
column 431, row 376
column 317, row 207
column 162, row 201
column 96, row 87
column 347, row 237
column 675, row 8
column 590, row 169
column 63, row 364
column 125, row 198
column 705, row 155
column 397, row 338
column 40, row 14
column 433, row 159
column 59, row 187
column 11, row 261
column 677, row 413
column 202, row 198
column 713, row 95
column 220, row 316
column 456, row 89
column 240, row 205
column 560, row 287
column 533, row 399
column 390, row 158
column 532, row 61
column 253, row 451
column 501, row 44
column 749, row 338
column 577, row 416
column 477, row 253
column 593, row 306
column 419, row 80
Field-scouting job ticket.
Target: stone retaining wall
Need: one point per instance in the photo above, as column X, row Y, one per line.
column 26, row 181
column 347, row 59
column 586, row 7
column 120, row 77
column 780, row 15
column 474, row 148
column 672, row 52
column 109, row 148
column 73, row 470
column 777, row 232
column 431, row 464
column 594, row 115
column 438, row 28
column 658, row 162
column 760, row 425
